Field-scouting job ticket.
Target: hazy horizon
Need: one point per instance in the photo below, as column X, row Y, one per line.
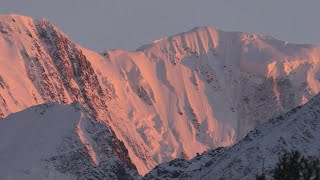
column 105, row 25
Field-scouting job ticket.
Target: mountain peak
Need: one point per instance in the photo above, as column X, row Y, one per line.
column 18, row 23
column 201, row 33
column 204, row 28
column 21, row 18
column 205, row 38
column 15, row 16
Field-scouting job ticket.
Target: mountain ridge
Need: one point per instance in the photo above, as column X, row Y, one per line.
column 184, row 94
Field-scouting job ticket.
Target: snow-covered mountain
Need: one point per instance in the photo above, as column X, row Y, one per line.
column 183, row 94
column 258, row 152
column 52, row 141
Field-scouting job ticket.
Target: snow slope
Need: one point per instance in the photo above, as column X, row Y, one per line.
column 54, row 141
column 206, row 88
column 261, row 149
column 182, row 94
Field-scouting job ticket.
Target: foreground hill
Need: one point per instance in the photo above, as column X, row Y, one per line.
column 298, row 129
column 52, row 141
column 179, row 95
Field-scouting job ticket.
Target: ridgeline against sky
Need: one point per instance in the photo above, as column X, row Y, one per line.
column 108, row 24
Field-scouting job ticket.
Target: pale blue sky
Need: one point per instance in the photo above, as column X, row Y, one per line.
column 128, row 24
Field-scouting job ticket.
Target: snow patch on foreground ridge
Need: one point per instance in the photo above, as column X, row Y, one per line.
column 297, row 129
column 86, row 140
column 54, row 141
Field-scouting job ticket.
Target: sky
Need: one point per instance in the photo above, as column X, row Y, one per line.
column 128, row 24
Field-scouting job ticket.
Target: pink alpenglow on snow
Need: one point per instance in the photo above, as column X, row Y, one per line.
column 182, row 94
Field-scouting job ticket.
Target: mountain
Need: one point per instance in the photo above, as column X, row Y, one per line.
column 258, row 152
column 53, row 141
column 179, row 95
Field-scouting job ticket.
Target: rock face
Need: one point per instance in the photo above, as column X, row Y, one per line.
column 52, row 141
column 187, row 93
column 261, row 149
